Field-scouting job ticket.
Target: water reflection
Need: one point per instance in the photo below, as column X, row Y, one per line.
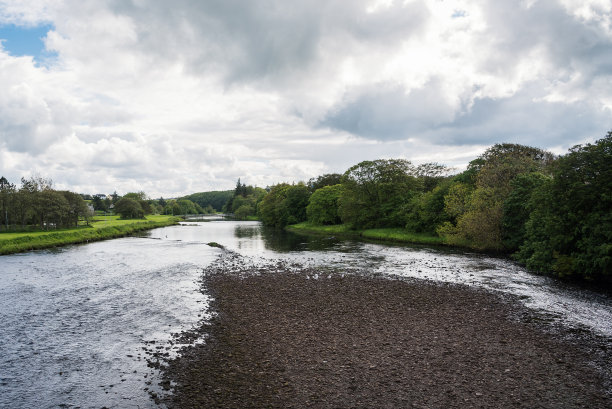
column 282, row 241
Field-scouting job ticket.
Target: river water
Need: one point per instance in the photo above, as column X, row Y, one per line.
column 77, row 323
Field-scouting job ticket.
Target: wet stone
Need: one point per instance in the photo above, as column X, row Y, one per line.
column 280, row 339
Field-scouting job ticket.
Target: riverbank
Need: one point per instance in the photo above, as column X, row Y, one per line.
column 396, row 235
column 284, row 336
column 103, row 229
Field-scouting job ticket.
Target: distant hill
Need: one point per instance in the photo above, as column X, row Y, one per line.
column 216, row 199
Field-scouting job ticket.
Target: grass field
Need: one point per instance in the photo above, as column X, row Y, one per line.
column 101, row 228
column 389, row 234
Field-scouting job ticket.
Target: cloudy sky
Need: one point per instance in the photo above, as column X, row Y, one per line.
column 175, row 97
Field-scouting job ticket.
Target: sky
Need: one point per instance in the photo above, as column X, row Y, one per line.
column 172, row 98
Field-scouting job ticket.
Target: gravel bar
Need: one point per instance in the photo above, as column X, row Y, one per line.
column 286, row 337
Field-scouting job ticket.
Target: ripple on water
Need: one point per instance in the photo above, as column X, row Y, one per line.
column 79, row 322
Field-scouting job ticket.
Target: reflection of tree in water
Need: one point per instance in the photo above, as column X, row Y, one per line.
column 283, row 241
column 246, row 232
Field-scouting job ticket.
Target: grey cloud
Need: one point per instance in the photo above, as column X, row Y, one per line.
column 268, row 39
column 524, row 119
column 389, row 112
column 568, row 43
column 423, row 115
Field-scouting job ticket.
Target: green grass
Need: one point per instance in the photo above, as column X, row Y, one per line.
column 401, row 235
column 100, row 229
column 389, row 234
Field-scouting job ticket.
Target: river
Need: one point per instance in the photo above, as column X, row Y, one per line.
column 78, row 322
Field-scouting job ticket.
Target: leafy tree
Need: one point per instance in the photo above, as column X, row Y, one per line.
column 53, row 208
column 431, row 174
column 100, row 202
column 7, row 192
column 76, row 208
column 246, row 198
column 375, row 193
column 427, row 211
column 129, row 208
column 296, row 202
column 516, row 209
column 215, row 199
column 284, row 204
column 328, row 179
column 479, row 218
column 323, row 205
column 569, row 231
column 244, row 211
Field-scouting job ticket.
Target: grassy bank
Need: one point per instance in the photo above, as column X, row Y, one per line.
column 107, row 227
column 389, row 234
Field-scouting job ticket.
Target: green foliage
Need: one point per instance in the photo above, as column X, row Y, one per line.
column 386, row 234
column 569, row 231
column 516, row 209
column 284, row 204
column 427, row 211
column 479, row 213
column 36, row 203
column 328, row 179
column 323, row 205
column 431, row 174
column 244, row 211
column 375, row 193
column 129, row 208
column 244, row 201
column 215, row 199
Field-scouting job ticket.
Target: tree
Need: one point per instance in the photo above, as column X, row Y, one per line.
column 428, row 210
column 479, row 218
column 328, row 179
column 129, row 208
column 323, row 205
column 516, row 208
column 215, row 199
column 7, row 191
column 569, row 231
column 186, row 207
column 244, row 211
column 53, row 209
column 284, row 204
column 100, row 202
column 431, row 174
column 375, row 193
column 76, row 208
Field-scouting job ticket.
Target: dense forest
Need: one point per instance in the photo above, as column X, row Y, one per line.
column 552, row 213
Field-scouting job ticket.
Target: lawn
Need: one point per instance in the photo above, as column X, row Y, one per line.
column 102, row 227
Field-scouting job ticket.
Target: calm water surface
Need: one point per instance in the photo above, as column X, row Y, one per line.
column 77, row 322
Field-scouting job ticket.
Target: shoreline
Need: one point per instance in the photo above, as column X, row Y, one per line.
column 284, row 336
column 390, row 235
column 28, row 242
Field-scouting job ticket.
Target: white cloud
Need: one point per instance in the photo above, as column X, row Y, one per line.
column 183, row 96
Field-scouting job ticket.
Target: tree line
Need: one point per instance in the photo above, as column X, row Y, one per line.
column 36, row 205
column 552, row 213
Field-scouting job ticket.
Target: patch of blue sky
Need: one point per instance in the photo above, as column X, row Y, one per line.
column 459, row 13
column 20, row 41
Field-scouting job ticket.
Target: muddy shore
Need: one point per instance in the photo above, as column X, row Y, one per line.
column 290, row 337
